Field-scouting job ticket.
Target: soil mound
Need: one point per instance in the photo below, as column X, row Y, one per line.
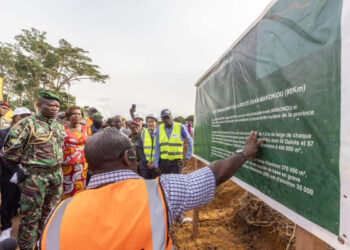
column 234, row 219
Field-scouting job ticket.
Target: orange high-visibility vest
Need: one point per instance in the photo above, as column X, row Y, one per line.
column 130, row 214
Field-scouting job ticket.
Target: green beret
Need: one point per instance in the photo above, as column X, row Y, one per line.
column 49, row 95
column 97, row 115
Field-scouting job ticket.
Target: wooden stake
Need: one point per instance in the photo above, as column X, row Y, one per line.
column 308, row 241
column 195, row 221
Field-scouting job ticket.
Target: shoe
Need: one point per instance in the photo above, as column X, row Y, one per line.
column 5, row 234
column 180, row 219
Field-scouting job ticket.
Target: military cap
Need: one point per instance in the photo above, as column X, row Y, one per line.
column 2, row 103
column 135, row 123
column 97, row 115
column 48, row 95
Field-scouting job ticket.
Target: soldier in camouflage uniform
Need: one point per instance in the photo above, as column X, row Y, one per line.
column 37, row 144
column 4, row 107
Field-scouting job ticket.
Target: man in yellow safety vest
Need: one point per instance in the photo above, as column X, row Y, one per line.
column 146, row 148
column 168, row 156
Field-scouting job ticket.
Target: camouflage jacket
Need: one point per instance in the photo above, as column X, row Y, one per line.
column 135, row 142
column 4, row 123
column 35, row 141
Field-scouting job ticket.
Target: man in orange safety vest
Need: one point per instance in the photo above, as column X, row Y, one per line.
column 121, row 210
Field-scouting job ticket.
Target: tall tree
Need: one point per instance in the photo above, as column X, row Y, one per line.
column 32, row 64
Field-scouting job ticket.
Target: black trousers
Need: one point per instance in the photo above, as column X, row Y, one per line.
column 170, row 167
column 9, row 201
column 148, row 173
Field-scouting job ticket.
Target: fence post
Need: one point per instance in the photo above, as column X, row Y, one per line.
column 308, row 241
column 195, row 212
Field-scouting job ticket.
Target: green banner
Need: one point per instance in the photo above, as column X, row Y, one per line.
column 283, row 80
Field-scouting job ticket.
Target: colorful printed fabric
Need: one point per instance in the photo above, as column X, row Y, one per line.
column 74, row 166
column 74, row 179
column 88, row 122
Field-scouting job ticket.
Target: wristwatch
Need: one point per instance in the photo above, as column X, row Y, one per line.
column 241, row 151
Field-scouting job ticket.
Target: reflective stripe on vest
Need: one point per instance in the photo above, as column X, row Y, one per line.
column 171, row 148
column 55, row 236
column 157, row 222
column 52, row 240
column 148, row 145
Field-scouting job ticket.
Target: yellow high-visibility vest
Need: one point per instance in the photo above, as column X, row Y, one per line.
column 172, row 148
column 148, row 145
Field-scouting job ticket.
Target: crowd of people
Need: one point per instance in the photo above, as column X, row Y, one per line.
column 95, row 184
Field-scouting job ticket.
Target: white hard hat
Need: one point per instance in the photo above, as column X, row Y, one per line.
column 152, row 116
column 21, row 111
column 137, row 116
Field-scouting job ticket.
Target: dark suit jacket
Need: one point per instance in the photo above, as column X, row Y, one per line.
column 4, row 169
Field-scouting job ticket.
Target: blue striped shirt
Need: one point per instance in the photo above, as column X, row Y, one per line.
column 182, row 192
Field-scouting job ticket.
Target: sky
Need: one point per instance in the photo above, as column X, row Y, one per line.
column 153, row 50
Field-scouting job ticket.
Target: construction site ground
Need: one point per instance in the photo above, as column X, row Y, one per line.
column 234, row 220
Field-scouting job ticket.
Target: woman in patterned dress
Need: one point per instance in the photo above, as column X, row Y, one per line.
column 74, row 166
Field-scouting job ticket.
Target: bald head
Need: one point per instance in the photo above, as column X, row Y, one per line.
column 117, row 121
column 104, row 151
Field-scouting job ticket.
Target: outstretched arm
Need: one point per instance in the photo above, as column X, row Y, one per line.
column 225, row 169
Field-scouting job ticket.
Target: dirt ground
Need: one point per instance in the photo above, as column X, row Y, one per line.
column 234, row 220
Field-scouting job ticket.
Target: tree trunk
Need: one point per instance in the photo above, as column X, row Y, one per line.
column 35, row 101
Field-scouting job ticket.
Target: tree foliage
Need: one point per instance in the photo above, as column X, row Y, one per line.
column 184, row 120
column 31, row 64
column 67, row 100
column 179, row 119
column 190, row 118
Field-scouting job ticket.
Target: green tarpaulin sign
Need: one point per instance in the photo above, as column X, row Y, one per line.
column 284, row 78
